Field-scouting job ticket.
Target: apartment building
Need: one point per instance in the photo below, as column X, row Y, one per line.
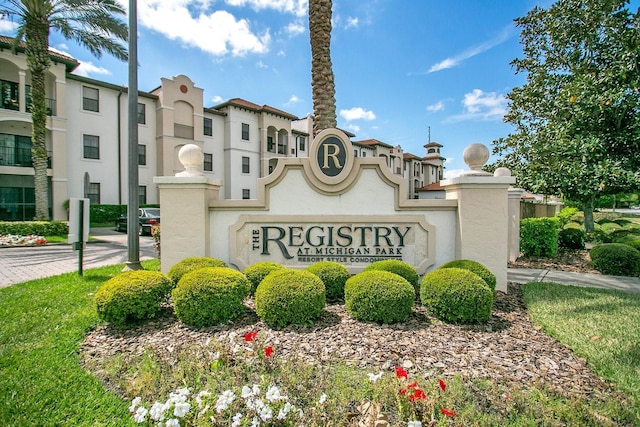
column 87, row 139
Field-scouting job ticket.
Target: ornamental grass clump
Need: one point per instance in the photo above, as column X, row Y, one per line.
column 131, row 297
column 187, row 265
column 334, row 275
column 616, row 259
column 290, row 297
column 258, row 271
column 401, row 268
column 210, row 296
column 379, row 296
column 456, row 295
column 474, row 267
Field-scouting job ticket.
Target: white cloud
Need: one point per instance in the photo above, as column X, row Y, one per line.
column 354, row 128
column 7, row 26
column 453, row 173
column 479, row 105
column 217, row 33
column 438, row 106
column 281, row 53
column 217, row 99
column 293, row 99
column 357, row 113
column 87, row 68
column 476, row 50
column 294, row 28
column 352, row 22
column 296, row 7
column 261, row 64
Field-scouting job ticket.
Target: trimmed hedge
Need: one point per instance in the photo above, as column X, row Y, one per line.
column 132, row 296
column 37, row 228
column 635, row 244
column 379, row 296
column 290, row 297
column 210, row 296
column 456, row 295
column 102, row 214
column 616, row 259
column 334, row 275
column 474, row 267
column 258, row 271
column 571, row 238
column 401, row 268
column 539, row 236
column 188, row 265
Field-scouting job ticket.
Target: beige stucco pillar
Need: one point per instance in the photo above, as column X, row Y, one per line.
column 22, row 91
column 515, row 195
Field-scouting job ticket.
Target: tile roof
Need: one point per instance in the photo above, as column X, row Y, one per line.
column 432, row 187
column 372, row 143
column 243, row 103
column 432, row 144
column 10, row 42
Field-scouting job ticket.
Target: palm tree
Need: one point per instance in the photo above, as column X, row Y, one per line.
column 94, row 24
column 322, row 84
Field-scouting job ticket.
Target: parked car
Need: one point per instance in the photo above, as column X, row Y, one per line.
column 147, row 218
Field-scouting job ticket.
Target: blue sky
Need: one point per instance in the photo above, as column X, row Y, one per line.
column 400, row 66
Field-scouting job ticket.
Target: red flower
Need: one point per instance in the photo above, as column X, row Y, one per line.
column 403, row 391
column 250, row 336
column 268, row 351
column 413, row 384
column 418, row 394
column 401, row 373
column 443, row 386
column 447, row 413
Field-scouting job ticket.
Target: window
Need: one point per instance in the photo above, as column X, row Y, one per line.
column 9, row 95
column 208, row 162
column 246, row 193
column 364, row 154
column 270, row 145
column 245, row 164
column 142, row 194
column 303, row 142
column 91, row 146
column 208, row 127
column 142, row 154
column 245, row 131
column 93, row 193
column 355, row 153
column 142, row 113
column 90, row 99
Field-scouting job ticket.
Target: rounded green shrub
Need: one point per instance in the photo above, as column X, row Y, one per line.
column 632, row 228
column 474, row 267
column 574, row 224
column 187, row 265
column 616, row 259
column 635, row 244
column 258, row 271
column 610, row 227
column 210, row 296
column 334, row 275
column 456, row 295
column 622, row 221
column 379, row 296
column 624, row 238
column 571, row 238
column 401, row 268
column 290, row 297
column 131, row 297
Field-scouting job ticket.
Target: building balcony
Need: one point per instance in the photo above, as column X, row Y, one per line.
column 19, row 157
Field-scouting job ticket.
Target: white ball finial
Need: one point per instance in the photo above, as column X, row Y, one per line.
column 502, row 171
column 192, row 158
column 475, row 156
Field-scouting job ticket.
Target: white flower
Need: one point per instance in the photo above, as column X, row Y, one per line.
column 256, row 389
column 255, row 422
column 134, row 404
column 176, row 398
column 225, row 399
column 140, row 415
column 323, row 398
column 414, row 424
column 183, row 391
column 157, row 411
column 173, row 422
column 273, row 394
column 374, row 377
column 181, row 409
column 216, row 355
column 236, row 420
column 199, row 401
column 246, row 392
column 284, row 411
column 232, row 336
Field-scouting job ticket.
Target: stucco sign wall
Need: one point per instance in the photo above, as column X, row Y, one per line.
column 355, row 241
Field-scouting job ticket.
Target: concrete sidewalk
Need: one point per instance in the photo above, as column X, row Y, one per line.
column 620, row 283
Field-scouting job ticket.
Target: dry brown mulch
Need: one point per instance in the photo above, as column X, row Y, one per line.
column 575, row 260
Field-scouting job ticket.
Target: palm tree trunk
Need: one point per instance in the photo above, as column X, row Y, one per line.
column 37, row 38
column 322, row 79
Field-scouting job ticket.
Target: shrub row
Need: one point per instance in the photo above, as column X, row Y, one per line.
column 616, row 259
column 103, row 214
column 38, row 228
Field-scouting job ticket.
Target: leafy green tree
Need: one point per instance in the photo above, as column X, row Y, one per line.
column 94, row 24
column 577, row 121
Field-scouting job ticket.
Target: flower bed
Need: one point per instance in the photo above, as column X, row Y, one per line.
column 15, row 240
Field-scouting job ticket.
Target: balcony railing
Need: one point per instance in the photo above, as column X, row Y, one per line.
column 20, row 157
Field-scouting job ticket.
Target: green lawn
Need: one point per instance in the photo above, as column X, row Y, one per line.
column 42, row 382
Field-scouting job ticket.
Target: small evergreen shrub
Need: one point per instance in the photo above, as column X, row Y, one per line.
column 187, row 265
column 622, row 221
column 334, row 275
column 610, row 227
column 616, row 259
column 634, row 244
column 258, row 271
column 632, row 228
column 564, row 216
column 37, row 228
column 401, row 268
column 456, row 295
column 539, row 236
column 571, row 238
column 474, row 267
column 573, row 224
column 379, row 296
column 603, row 221
column 578, row 217
column 210, row 296
column 290, row 297
column 624, row 238
column 131, row 297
